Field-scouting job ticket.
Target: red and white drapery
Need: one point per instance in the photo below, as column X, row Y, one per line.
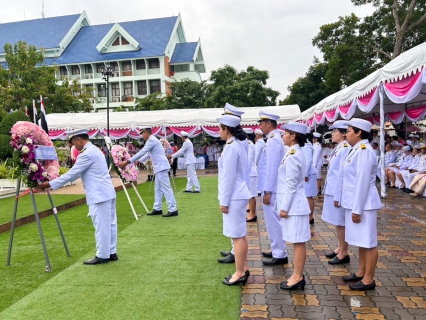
column 160, row 132
column 400, row 91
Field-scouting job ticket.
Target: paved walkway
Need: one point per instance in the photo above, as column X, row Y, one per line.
column 400, row 275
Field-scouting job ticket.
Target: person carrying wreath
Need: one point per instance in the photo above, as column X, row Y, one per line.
column 356, row 192
column 92, row 168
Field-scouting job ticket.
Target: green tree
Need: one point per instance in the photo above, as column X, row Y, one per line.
column 6, row 150
column 27, row 78
column 240, row 88
column 154, row 101
column 8, row 121
column 187, row 94
column 310, row 89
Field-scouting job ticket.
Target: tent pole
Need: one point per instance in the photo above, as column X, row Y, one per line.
column 405, row 110
column 382, row 142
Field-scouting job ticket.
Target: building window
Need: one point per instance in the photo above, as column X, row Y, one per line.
column 88, row 68
column 127, row 66
column 75, row 70
column 98, row 67
column 63, row 71
column 154, row 63
column 154, row 86
column 142, row 88
column 120, row 41
column 89, row 90
column 140, row 64
column 101, row 90
column 128, row 89
column 115, row 88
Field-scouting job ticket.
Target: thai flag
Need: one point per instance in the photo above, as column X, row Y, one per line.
column 34, row 112
column 43, row 116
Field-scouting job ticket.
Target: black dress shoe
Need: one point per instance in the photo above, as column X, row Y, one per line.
column 312, row 221
column 275, row 261
column 170, row 214
column 225, row 253
column 247, row 273
column 242, row 280
column 189, row 191
column 96, row 260
column 254, row 219
column 408, row 190
column 113, row 257
column 360, row 286
column 155, row 213
column 230, row 258
column 297, row 286
column 196, row 191
column 266, row 254
column 352, row 277
column 330, row 255
column 336, row 260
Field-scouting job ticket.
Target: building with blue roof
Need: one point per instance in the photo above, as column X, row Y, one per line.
column 145, row 54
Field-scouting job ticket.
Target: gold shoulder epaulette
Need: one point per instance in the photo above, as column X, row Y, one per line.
column 345, row 145
column 230, row 141
column 363, row 146
column 272, row 135
column 292, row 151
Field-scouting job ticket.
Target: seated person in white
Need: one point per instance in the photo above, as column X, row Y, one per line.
column 419, row 161
column 402, row 164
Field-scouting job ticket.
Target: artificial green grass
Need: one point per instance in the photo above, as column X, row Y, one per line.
column 25, row 207
column 167, row 267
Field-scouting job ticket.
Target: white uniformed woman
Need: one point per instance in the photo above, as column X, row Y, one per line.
column 331, row 214
column 316, row 158
column 311, row 189
column 234, row 194
column 252, row 177
column 292, row 205
column 357, row 193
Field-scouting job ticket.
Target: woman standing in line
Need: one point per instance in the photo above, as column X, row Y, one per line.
column 316, row 158
column 291, row 201
column 252, row 217
column 311, row 189
column 356, row 192
column 234, row 194
column 331, row 214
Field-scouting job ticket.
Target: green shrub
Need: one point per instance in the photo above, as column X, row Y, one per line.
column 7, row 171
column 63, row 170
column 8, row 122
column 6, row 151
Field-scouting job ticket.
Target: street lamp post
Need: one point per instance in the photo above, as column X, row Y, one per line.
column 107, row 71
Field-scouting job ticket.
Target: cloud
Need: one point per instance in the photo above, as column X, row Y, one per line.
column 273, row 35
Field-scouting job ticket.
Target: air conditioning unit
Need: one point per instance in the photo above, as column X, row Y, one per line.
column 89, row 76
column 115, row 99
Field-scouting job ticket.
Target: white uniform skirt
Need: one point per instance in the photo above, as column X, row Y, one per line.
column 363, row 234
column 234, row 222
column 296, row 229
column 331, row 214
column 319, row 167
column 253, row 187
column 311, row 189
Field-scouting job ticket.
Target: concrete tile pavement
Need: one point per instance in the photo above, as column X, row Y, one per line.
column 400, row 275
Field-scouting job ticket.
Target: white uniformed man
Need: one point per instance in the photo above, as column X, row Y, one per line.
column 92, row 168
column 154, row 150
column 260, row 159
column 274, row 153
column 187, row 152
column 406, row 176
column 253, row 177
column 390, row 157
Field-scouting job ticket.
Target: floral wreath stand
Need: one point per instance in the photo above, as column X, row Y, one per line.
column 31, row 192
column 109, row 146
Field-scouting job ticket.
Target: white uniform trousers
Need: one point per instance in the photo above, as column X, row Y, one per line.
column 104, row 220
column 192, row 178
column 408, row 178
column 162, row 187
column 363, row 234
column 273, row 226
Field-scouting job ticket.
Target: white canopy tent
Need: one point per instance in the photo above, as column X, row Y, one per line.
column 391, row 93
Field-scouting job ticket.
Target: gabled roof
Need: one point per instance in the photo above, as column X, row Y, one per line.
column 184, row 52
column 152, row 35
column 46, row 33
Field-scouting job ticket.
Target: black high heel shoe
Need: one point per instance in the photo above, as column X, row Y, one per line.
column 297, row 286
column 247, row 273
column 242, row 280
column 254, row 219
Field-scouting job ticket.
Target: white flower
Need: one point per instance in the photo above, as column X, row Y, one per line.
column 45, row 174
column 29, row 141
column 120, row 155
column 25, row 149
column 33, row 167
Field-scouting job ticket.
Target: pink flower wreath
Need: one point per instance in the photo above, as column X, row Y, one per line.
column 26, row 136
column 120, row 154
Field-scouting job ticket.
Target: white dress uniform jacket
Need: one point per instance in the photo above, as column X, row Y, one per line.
column 260, row 163
column 274, row 153
column 291, row 188
column 157, row 155
column 232, row 173
column 187, row 152
column 356, row 186
column 316, row 158
column 336, row 160
column 251, row 159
